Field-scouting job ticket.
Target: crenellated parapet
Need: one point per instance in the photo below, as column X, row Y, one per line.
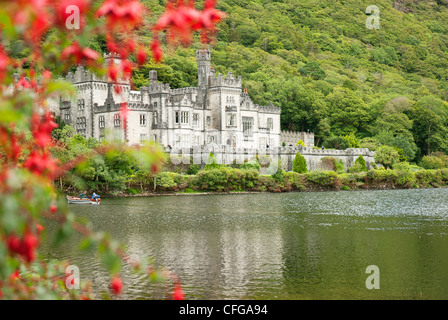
column 158, row 88
column 182, row 91
column 228, row 81
column 269, row 109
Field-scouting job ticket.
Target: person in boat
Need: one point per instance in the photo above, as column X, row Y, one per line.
column 83, row 195
column 95, row 197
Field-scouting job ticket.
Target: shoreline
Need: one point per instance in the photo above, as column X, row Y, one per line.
column 161, row 194
column 238, row 181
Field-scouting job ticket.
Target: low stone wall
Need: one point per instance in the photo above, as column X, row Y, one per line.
column 229, row 155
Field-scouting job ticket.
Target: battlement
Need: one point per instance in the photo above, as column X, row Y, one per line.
column 203, row 54
column 228, row 81
column 156, row 87
column 269, row 109
column 135, row 96
column 184, row 90
column 111, row 55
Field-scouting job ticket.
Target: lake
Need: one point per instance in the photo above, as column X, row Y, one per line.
column 309, row 245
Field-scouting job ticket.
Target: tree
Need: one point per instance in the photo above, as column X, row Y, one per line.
column 348, row 112
column 387, row 156
column 430, row 116
column 299, row 164
column 313, row 70
column 359, row 165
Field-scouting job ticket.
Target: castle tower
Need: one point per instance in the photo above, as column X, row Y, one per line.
column 153, row 77
column 203, row 60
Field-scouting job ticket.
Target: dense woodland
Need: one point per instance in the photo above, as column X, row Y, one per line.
column 329, row 73
column 352, row 86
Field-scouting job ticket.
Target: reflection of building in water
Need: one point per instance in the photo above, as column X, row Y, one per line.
column 217, row 263
column 217, row 251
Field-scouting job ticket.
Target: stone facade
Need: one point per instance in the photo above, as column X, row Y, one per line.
column 218, row 111
column 290, row 138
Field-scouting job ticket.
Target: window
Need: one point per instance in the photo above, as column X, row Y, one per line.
column 143, row 138
column 154, row 137
column 210, row 139
column 176, row 117
column 81, row 126
column 184, row 117
column 117, row 120
column 231, row 120
column 156, row 117
column 155, row 104
column 197, row 140
column 143, row 119
column 67, row 116
column 270, row 124
column 247, row 126
column 185, row 140
column 81, row 104
column 262, row 143
column 177, row 139
column 195, row 119
column 208, row 120
column 102, row 122
column 102, row 135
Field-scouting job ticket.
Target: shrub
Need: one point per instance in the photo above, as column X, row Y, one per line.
column 296, row 180
column 352, row 179
column 300, row 143
column 252, row 164
column 405, row 166
column 335, row 143
column 193, row 169
column 212, row 162
column 429, row 177
column 322, row 178
column 359, row 165
column 387, row 156
column 278, row 175
column 299, row 164
column 382, row 176
column 433, row 162
column 211, row 180
column 165, row 181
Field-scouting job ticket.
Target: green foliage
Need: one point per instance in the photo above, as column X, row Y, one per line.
column 212, row 162
column 313, row 70
column 335, row 143
column 359, row 165
column 434, row 161
column 327, row 74
column 330, row 163
column 252, row 164
column 300, row 142
column 299, row 164
column 322, row 178
column 387, row 156
column 193, row 169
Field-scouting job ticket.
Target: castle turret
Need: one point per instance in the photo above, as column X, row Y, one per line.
column 203, row 60
column 153, row 77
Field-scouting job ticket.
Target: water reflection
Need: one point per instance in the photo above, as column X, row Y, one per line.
column 279, row 246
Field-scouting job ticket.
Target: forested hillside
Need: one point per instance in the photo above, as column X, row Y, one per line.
column 328, row 72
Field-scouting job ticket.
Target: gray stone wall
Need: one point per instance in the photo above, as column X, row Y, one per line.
column 229, row 155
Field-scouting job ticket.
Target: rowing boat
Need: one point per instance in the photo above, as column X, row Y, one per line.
column 76, row 200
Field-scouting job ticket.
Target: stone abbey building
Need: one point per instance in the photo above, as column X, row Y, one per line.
column 218, row 111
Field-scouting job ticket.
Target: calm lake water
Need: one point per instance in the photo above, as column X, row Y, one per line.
column 278, row 246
